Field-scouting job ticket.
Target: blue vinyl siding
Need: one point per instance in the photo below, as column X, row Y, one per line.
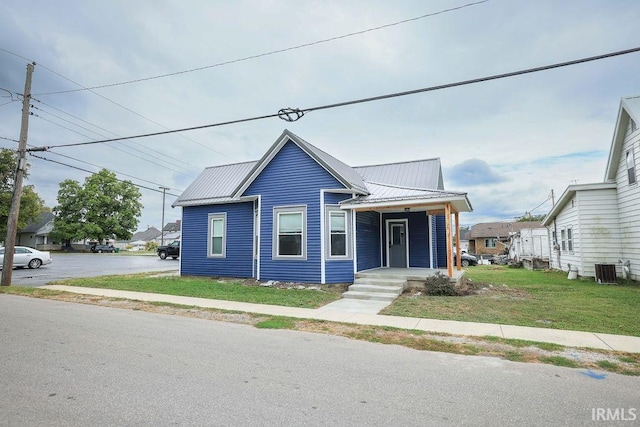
column 368, row 240
column 338, row 270
column 418, row 237
column 291, row 178
column 239, row 241
column 441, row 241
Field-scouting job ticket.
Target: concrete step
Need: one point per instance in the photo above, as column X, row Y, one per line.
column 385, row 289
column 374, row 296
column 380, row 281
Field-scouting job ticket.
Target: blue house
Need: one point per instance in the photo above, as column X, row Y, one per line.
column 300, row 215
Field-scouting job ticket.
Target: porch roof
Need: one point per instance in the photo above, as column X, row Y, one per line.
column 385, row 196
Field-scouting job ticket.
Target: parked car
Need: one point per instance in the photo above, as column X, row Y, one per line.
column 466, row 260
column 27, row 257
column 103, row 248
column 172, row 250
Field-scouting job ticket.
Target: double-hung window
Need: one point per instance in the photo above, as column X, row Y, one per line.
column 337, row 233
column 631, row 167
column 570, row 239
column 290, row 240
column 563, row 240
column 217, row 241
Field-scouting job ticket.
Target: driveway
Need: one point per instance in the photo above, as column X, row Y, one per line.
column 72, row 265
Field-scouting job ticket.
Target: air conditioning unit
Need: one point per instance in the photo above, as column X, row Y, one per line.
column 606, row 273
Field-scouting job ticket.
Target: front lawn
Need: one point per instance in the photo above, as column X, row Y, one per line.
column 200, row 287
column 532, row 298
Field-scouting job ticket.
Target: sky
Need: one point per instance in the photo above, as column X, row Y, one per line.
column 507, row 143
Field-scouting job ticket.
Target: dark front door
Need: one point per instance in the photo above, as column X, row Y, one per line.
column 397, row 244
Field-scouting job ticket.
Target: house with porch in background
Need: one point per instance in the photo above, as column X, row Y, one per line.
column 299, row 214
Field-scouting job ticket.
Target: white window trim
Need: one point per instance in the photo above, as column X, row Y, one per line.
column 570, row 239
column 329, row 209
column 276, row 242
column 211, row 217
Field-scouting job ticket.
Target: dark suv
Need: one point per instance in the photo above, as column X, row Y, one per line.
column 102, row 248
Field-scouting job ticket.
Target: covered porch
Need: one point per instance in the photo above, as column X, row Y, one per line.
column 411, row 274
column 407, row 232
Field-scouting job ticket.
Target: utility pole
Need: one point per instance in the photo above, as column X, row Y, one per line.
column 164, row 190
column 14, row 210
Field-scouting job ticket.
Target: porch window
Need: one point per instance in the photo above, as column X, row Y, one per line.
column 217, row 235
column 570, row 239
column 489, row 243
column 290, row 238
column 631, row 167
column 337, row 233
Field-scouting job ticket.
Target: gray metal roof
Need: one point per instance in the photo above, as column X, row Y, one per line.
column 419, row 174
column 347, row 173
column 421, row 179
column 215, row 184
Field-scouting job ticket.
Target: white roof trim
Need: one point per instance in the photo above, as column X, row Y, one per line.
column 570, row 192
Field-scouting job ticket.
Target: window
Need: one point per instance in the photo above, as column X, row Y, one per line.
column 337, row 233
column 489, row 243
column 563, row 240
column 631, row 167
column 217, row 235
column 569, row 239
column 290, row 240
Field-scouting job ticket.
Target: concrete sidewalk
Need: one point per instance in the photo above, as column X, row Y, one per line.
column 364, row 313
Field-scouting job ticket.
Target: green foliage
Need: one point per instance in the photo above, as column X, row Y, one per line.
column 439, row 285
column 31, row 205
column 104, row 208
column 151, row 246
column 529, row 217
column 559, row 361
column 277, row 323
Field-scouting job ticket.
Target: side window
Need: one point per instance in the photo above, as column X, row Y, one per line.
column 337, row 233
column 217, row 236
column 290, row 232
column 631, row 167
column 563, row 237
column 570, row 239
column 489, row 243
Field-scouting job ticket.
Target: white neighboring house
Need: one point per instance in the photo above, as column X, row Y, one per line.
column 532, row 242
column 600, row 223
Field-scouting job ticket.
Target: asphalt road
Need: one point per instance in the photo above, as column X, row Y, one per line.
column 70, row 265
column 73, row 364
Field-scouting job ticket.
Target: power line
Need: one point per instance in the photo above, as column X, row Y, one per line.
column 273, row 52
column 88, row 171
column 152, row 155
column 9, row 139
column 294, row 114
column 117, row 104
column 115, row 148
column 111, row 170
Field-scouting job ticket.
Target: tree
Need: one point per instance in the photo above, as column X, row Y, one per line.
column 104, row 208
column 31, row 205
column 529, row 218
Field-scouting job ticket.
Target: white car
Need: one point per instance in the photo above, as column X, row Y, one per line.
column 27, row 257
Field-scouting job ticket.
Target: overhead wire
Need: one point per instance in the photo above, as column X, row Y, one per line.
column 152, row 155
column 117, row 104
column 88, row 171
column 115, row 148
column 294, row 114
column 273, row 52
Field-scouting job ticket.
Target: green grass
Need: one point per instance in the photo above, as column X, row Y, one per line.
column 276, row 323
column 559, row 361
column 208, row 288
column 534, row 298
